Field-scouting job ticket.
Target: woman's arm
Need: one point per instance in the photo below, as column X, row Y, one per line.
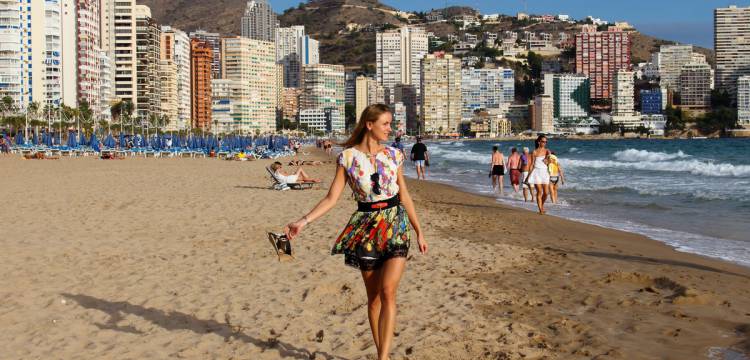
column 334, row 192
column 410, row 212
column 562, row 175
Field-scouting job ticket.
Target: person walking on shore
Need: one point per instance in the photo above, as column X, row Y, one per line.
column 514, row 166
column 525, row 167
column 497, row 169
column 539, row 175
column 399, row 145
column 555, row 175
column 419, row 156
column 377, row 238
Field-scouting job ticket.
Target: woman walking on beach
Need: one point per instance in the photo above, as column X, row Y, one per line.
column 376, row 240
column 539, row 175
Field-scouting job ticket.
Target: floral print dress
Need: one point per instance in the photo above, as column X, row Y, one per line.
column 372, row 237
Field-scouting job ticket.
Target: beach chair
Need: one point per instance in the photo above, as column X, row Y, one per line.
column 280, row 184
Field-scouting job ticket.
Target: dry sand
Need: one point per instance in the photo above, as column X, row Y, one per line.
column 168, row 258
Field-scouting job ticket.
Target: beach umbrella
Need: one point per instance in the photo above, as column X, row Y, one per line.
column 34, row 139
column 109, row 141
column 81, row 138
column 72, row 140
column 19, row 138
column 122, row 139
column 94, row 142
column 48, row 139
column 176, row 141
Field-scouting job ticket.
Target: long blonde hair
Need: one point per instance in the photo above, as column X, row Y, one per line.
column 369, row 115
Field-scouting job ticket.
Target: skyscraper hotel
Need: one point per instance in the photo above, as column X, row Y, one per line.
column 252, row 64
column 695, row 87
column 322, row 87
column 732, row 46
column 214, row 41
column 398, row 54
column 441, row 93
column 148, row 47
column 175, row 48
column 259, row 21
column 201, row 55
column 119, row 41
column 600, row 55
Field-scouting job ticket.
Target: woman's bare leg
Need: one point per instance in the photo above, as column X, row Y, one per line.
column 302, row 176
column 372, row 285
column 539, row 197
column 390, row 276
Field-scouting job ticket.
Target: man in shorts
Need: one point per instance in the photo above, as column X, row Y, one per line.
column 525, row 168
column 419, row 155
column 514, row 165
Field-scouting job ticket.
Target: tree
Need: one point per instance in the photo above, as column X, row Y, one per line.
column 720, row 119
column 720, row 98
column 350, row 115
column 535, row 64
column 675, row 119
column 86, row 114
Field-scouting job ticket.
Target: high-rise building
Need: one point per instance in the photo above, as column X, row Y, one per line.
column 106, row 78
column 482, row 89
column 406, row 95
column 288, row 44
column 623, row 102
column 214, row 42
column 571, row 96
column 13, row 70
column 148, row 48
column 201, row 56
column 119, row 41
column 732, row 46
column 322, row 87
column 350, row 88
column 441, row 93
column 223, row 105
column 365, row 86
column 651, row 101
column 60, row 54
column 259, row 21
column 398, row 54
column 743, row 101
column 175, row 48
column 600, row 55
column 326, row 120
column 89, row 54
column 695, row 87
column 671, row 60
column 543, row 120
column 168, row 96
column 252, row 64
column 309, row 51
column 290, row 108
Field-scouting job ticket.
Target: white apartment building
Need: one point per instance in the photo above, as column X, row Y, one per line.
column 324, row 120
column 743, row 101
column 623, row 101
column 294, row 49
column 223, row 105
column 118, row 29
column 148, row 54
column 481, row 89
column 88, row 54
column 671, row 60
column 252, row 64
column 105, row 86
column 695, row 87
column 441, row 93
column 175, row 48
column 571, row 96
column 168, row 93
column 259, row 21
column 322, row 87
column 13, row 70
column 731, row 45
column 398, row 54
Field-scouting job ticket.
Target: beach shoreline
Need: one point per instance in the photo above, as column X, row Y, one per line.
column 158, row 258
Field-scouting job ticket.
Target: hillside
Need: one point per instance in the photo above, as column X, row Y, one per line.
column 346, row 28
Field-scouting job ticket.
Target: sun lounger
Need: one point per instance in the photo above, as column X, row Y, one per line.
column 280, row 184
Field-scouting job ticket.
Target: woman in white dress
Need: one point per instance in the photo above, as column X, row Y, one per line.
column 538, row 177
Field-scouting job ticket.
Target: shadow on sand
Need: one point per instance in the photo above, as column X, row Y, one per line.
column 174, row 320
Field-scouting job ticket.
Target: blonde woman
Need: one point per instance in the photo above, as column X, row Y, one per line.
column 376, row 239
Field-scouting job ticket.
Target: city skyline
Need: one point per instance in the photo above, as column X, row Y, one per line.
column 693, row 24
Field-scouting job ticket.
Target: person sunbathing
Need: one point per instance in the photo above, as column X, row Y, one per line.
column 39, row 156
column 305, row 162
column 298, row 177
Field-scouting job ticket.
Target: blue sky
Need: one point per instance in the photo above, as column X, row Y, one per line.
column 686, row 21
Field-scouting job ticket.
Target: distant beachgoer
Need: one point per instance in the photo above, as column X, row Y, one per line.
column 539, row 175
column 212, row 153
column 525, row 167
column 169, row 143
column 4, row 148
column 399, row 145
column 497, row 169
column 514, row 166
column 296, row 147
column 555, row 175
column 298, row 176
column 419, row 155
column 377, row 238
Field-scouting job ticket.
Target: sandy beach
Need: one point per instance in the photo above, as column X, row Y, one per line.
column 168, row 258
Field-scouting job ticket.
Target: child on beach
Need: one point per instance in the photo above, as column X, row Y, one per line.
column 555, row 175
column 377, row 238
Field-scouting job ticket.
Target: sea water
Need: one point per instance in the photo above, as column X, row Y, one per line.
column 691, row 194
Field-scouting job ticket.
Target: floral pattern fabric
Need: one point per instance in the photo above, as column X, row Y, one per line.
column 359, row 169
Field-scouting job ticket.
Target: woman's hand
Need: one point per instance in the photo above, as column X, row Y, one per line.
column 293, row 229
column 422, row 244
